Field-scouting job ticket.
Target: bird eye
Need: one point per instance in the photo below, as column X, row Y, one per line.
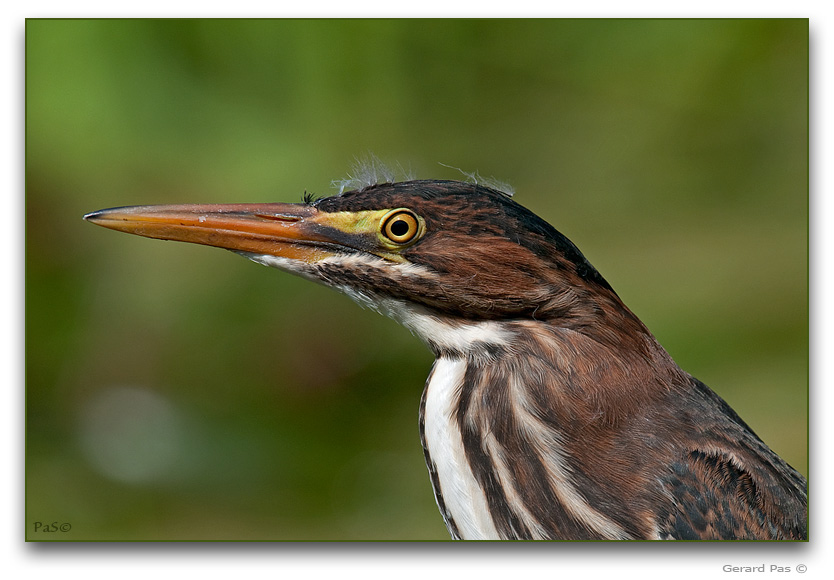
column 401, row 226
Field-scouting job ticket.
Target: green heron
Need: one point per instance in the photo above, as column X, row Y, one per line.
column 551, row 411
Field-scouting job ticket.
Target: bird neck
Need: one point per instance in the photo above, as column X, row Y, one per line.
column 589, row 350
column 585, row 374
column 509, row 410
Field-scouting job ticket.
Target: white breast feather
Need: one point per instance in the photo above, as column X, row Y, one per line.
column 462, row 495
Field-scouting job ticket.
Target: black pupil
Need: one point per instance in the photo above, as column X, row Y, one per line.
column 399, row 228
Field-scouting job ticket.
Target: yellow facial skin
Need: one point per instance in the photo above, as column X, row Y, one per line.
column 392, row 229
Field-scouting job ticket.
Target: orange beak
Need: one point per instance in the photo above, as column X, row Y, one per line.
column 288, row 230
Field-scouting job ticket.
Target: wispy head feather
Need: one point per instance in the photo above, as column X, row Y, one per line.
column 478, row 179
column 369, row 170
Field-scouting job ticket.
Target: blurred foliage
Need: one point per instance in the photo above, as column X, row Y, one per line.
column 182, row 393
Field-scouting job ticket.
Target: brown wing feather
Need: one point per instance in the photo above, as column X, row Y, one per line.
column 732, row 486
column 714, row 499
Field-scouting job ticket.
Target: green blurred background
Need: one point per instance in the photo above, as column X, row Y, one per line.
column 178, row 392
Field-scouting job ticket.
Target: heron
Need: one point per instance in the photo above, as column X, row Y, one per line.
column 551, row 411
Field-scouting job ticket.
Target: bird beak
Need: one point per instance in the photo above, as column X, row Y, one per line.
column 295, row 231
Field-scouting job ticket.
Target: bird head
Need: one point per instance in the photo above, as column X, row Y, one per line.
column 435, row 251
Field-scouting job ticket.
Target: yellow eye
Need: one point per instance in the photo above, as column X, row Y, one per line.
column 401, row 226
